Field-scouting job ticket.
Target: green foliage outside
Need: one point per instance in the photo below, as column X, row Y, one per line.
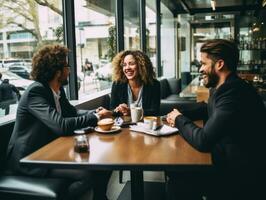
column 111, row 40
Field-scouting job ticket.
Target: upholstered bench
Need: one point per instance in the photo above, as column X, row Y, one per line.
column 170, row 89
column 23, row 187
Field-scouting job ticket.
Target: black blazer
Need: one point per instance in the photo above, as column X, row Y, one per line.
column 150, row 96
column 7, row 92
column 38, row 123
column 235, row 131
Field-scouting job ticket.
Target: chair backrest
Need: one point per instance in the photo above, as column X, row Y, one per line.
column 186, row 78
column 170, row 86
column 165, row 88
column 174, row 85
column 5, row 134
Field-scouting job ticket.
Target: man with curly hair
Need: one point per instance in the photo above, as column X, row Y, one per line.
column 44, row 114
column 134, row 82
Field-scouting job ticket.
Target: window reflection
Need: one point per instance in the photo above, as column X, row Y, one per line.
column 131, row 25
column 168, row 43
column 96, row 44
column 151, row 31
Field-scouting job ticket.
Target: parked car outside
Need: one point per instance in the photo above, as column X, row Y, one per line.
column 20, row 70
column 9, row 61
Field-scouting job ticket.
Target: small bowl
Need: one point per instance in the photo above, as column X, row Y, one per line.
column 106, row 124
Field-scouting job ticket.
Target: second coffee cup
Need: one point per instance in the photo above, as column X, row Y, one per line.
column 150, row 122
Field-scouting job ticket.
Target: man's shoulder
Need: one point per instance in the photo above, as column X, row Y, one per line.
column 6, row 86
column 234, row 83
column 236, row 88
column 36, row 87
column 241, row 85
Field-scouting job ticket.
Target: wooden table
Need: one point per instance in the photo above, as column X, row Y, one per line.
column 125, row 150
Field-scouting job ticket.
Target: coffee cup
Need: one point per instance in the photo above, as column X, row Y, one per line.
column 150, row 122
column 136, row 113
column 106, row 124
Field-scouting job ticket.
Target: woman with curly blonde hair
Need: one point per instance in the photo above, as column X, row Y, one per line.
column 134, row 82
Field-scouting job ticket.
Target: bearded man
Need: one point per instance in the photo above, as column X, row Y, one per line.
column 234, row 132
column 44, row 114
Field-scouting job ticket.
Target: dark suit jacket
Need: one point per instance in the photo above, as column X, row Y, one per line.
column 235, row 131
column 8, row 92
column 150, row 96
column 38, row 123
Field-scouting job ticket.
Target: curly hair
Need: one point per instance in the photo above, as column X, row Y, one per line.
column 47, row 61
column 144, row 66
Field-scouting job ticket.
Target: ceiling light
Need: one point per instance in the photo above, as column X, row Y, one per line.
column 213, row 4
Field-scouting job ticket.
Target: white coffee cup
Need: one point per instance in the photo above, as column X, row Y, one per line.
column 136, row 113
column 150, row 122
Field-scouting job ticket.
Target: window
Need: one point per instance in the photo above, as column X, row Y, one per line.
column 151, row 31
column 131, row 25
column 96, row 44
column 19, row 35
column 168, row 43
column 23, row 30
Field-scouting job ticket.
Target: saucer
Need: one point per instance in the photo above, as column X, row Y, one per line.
column 113, row 129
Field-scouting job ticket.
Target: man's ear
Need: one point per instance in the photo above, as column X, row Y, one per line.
column 220, row 65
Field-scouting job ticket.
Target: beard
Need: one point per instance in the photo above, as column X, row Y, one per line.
column 212, row 79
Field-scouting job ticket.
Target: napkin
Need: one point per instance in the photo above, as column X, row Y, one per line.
column 164, row 130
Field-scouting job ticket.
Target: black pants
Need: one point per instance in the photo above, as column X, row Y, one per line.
column 215, row 185
column 83, row 180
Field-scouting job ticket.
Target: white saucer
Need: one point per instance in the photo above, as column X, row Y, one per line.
column 113, row 129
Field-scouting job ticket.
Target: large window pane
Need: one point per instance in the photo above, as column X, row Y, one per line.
column 151, row 31
column 131, row 24
column 184, row 35
column 96, row 44
column 168, row 42
column 24, row 27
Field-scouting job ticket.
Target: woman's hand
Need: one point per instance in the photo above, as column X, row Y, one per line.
column 123, row 108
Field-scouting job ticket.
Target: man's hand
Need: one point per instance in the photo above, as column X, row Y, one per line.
column 171, row 117
column 103, row 113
